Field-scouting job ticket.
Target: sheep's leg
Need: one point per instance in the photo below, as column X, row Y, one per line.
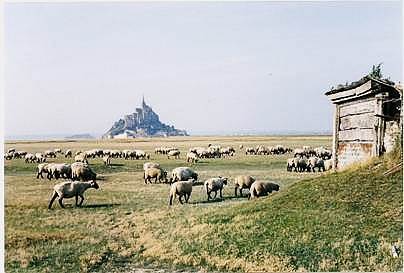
column 77, row 199
column 221, row 197
column 187, row 197
column 155, row 180
column 235, row 191
column 61, row 202
column 215, row 195
column 241, row 192
column 82, row 199
column 180, row 198
column 55, row 195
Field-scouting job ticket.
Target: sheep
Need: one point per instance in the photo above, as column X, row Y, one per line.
column 107, row 160
column 40, row 157
column 215, row 184
column 11, row 150
column 82, row 171
column 56, row 170
column 147, row 165
column 141, row 154
column 262, row 188
column 19, row 154
column 29, row 158
column 242, row 182
column 41, row 168
column 69, row 189
column 174, row 153
column 241, row 146
column 250, row 151
column 290, row 164
column 68, row 153
column 328, row 164
column 8, row 156
column 181, row 188
column 50, row 153
column 192, row 157
column 82, row 157
column 57, row 151
column 315, row 162
column 156, row 173
column 182, row 174
column 301, row 165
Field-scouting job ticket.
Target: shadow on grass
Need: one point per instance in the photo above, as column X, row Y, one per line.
column 219, row 200
column 100, row 206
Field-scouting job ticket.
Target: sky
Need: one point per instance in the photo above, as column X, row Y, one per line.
column 209, row 68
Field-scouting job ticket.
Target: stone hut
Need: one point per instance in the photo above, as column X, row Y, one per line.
column 367, row 119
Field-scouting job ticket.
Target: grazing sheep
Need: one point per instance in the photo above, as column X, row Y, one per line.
column 57, row 170
column 156, row 173
column 181, row 188
column 242, row 182
column 241, row 146
column 57, row 151
column 11, row 150
column 71, row 189
column 41, row 168
column 29, row 158
column 81, row 171
column 107, row 160
column 215, row 184
column 328, row 164
column 19, row 154
column 315, row 162
column 81, row 157
column 40, row 157
column 68, row 153
column 290, row 164
column 301, row 165
column 262, row 188
column 8, row 156
column 50, row 153
column 192, row 157
column 147, row 165
column 174, row 153
column 182, row 174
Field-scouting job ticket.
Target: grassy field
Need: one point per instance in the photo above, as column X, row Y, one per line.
column 316, row 222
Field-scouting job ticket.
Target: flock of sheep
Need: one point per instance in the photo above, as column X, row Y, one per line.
column 182, row 179
column 308, row 159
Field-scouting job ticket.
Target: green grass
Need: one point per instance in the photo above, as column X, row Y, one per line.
column 316, row 222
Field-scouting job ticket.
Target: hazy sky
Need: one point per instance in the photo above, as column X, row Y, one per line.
column 204, row 67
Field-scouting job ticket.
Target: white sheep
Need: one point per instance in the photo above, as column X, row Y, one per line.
column 41, row 168
column 147, row 165
column 183, row 174
column 71, row 189
column 29, row 158
column 81, row 157
column 262, row 188
column 328, row 164
column 192, row 157
column 181, row 188
column 242, row 182
column 57, row 170
column 215, row 184
column 82, row 171
column 174, row 153
column 156, row 173
column 68, row 153
column 107, row 160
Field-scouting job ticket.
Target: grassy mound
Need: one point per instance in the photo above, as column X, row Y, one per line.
column 337, row 222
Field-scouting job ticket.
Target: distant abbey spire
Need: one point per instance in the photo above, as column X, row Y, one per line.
column 143, row 103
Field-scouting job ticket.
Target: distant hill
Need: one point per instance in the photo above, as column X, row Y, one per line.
column 80, row 136
column 143, row 122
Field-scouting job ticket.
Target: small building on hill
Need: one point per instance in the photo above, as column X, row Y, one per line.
column 367, row 119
